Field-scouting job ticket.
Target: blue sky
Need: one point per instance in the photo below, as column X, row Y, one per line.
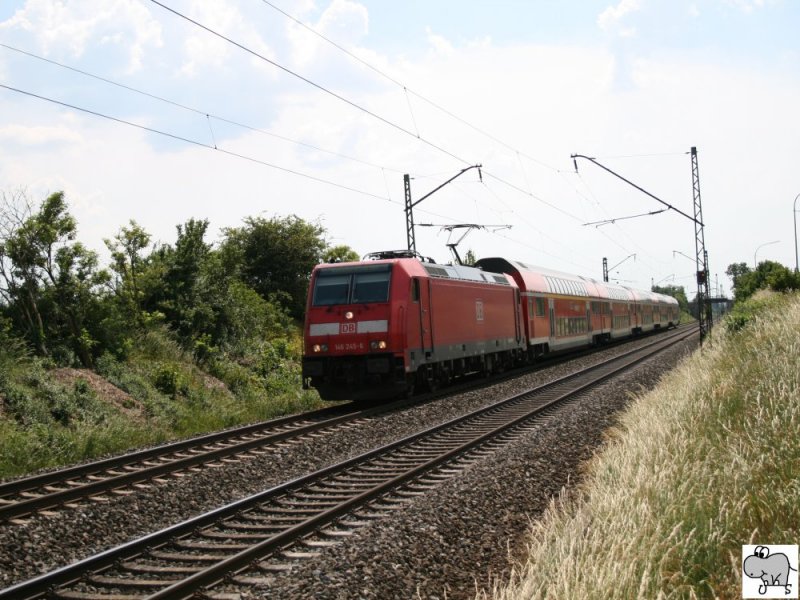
column 640, row 79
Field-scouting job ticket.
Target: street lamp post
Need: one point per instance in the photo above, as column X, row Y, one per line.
column 794, row 213
column 755, row 254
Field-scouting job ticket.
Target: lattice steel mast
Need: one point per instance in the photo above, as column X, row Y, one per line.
column 704, row 314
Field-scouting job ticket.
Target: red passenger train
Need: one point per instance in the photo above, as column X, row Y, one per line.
column 383, row 327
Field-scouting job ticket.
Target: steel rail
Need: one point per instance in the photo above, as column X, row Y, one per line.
column 220, row 571
column 37, row 497
column 20, row 508
column 65, row 576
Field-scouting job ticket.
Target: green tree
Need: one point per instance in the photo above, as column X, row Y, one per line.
column 676, row 292
column 469, row 258
column 341, row 253
column 188, row 294
column 736, row 271
column 275, row 257
column 768, row 274
column 128, row 264
column 51, row 281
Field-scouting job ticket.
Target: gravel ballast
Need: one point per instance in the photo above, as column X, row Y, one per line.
column 444, row 544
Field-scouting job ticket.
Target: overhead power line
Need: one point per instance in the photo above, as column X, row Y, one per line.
column 405, row 88
column 210, row 147
column 347, row 101
column 198, row 143
column 197, row 110
column 310, row 82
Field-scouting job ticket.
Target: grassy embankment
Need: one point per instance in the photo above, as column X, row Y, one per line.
column 49, row 417
column 708, row 461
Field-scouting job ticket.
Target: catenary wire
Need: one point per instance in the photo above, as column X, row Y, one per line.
column 405, row 88
column 199, row 111
column 312, row 83
column 198, row 143
column 350, row 102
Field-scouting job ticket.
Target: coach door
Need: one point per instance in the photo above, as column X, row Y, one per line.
column 422, row 295
column 552, row 318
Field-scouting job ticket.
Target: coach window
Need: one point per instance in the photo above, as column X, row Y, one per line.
column 539, row 307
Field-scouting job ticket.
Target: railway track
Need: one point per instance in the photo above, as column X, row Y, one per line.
column 242, row 542
column 61, row 488
column 120, row 475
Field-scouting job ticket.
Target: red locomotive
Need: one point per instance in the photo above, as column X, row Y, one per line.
column 382, row 327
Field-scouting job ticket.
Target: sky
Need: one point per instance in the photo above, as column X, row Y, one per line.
column 162, row 111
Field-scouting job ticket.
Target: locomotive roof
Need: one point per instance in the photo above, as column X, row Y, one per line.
column 431, row 269
column 542, row 280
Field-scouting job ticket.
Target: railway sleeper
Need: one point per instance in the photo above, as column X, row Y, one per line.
column 145, row 568
column 297, row 555
column 251, row 527
column 131, row 582
column 227, row 535
column 271, row 518
column 190, row 545
column 335, row 533
column 315, row 505
column 336, row 496
column 187, row 557
column 74, row 595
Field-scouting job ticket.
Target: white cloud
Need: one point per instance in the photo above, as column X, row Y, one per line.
column 547, row 101
column 439, row 43
column 344, row 22
column 746, row 6
column 611, row 18
column 38, row 135
column 71, row 26
column 201, row 48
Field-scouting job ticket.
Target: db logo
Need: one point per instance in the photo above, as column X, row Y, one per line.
column 347, row 328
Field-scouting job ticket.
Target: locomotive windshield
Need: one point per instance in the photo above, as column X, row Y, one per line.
column 352, row 285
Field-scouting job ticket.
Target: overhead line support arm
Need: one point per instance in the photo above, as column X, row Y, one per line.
column 644, row 191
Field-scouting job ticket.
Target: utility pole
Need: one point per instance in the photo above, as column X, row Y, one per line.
column 409, row 205
column 606, row 269
column 701, row 256
column 412, row 242
column 705, row 317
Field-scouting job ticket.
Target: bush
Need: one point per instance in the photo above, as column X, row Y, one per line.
column 747, row 311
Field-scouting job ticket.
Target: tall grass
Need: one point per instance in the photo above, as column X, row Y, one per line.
column 706, row 462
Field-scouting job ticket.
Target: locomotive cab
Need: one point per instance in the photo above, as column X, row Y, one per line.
column 350, row 339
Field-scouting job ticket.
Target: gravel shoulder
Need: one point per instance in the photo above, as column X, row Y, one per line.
column 435, row 546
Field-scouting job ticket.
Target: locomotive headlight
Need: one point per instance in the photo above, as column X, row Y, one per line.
column 348, row 315
column 377, row 345
column 320, row 347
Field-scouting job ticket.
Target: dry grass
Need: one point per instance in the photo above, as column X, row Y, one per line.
column 708, row 461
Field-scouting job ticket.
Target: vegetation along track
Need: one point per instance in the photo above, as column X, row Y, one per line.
column 65, row 487
column 245, row 540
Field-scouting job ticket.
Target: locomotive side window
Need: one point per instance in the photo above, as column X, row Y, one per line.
column 331, row 289
column 415, row 290
column 371, row 287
